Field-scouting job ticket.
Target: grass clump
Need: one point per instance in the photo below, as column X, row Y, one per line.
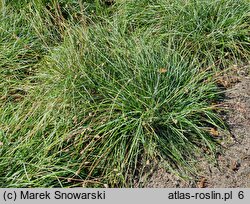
column 20, row 51
column 147, row 104
column 215, row 30
column 107, row 93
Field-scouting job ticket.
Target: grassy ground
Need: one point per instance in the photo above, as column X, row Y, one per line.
column 92, row 93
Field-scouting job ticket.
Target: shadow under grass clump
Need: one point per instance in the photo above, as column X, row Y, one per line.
column 73, row 10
